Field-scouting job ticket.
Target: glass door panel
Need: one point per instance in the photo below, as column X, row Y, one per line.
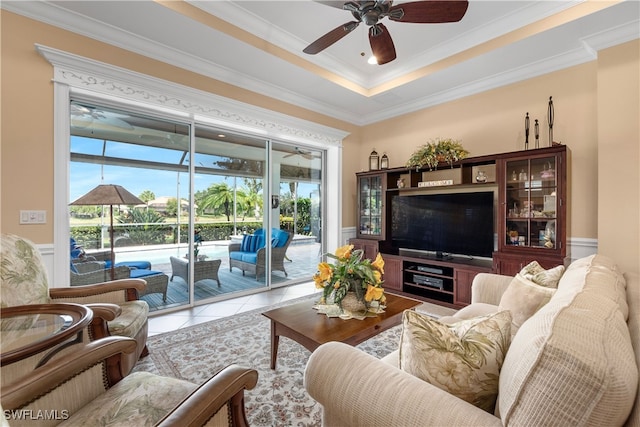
column 144, row 155
column 370, row 189
column 299, row 212
column 229, row 182
column 531, row 202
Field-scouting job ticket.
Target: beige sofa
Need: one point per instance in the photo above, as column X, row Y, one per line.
column 574, row 362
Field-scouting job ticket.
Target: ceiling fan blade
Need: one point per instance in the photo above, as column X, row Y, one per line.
column 381, row 44
column 330, row 38
column 429, row 11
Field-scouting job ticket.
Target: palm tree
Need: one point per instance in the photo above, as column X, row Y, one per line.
column 253, row 198
column 147, row 195
column 219, row 195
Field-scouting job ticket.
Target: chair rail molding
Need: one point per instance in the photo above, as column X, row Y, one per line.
column 82, row 78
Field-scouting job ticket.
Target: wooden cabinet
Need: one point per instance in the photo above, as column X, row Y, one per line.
column 392, row 272
column 369, row 247
column 531, row 209
column 530, row 191
column 371, row 193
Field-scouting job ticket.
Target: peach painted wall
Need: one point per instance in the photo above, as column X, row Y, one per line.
column 619, row 154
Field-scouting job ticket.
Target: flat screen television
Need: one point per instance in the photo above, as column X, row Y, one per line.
column 452, row 224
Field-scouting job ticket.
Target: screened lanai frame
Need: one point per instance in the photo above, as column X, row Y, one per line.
column 110, row 137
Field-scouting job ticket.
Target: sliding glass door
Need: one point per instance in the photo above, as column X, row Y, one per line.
column 202, row 190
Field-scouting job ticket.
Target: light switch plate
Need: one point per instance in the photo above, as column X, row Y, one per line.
column 33, row 217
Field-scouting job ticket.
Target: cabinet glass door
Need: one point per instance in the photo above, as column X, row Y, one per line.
column 531, row 202
column 370, row 189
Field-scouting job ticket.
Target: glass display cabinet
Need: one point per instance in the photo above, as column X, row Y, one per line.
column 532, row 209
column 371, row 196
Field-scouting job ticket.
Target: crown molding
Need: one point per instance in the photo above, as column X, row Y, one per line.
column 86, row 75
column 54, row 15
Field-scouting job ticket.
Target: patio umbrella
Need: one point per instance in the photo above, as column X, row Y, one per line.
column 109, row 194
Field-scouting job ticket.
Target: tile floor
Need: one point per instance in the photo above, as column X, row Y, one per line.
column 217, row 310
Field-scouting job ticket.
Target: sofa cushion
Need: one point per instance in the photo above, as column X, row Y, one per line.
column 523, row 298
column 463, row 358
column 139, row 399
column 538, row 275
column 572, row 362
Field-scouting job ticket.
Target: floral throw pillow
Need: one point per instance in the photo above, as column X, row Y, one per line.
column 538, row 275
column 462, row 358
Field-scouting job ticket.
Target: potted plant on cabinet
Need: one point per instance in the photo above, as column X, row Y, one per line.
column 436, row 151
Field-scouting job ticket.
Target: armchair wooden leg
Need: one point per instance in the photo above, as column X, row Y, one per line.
column 145, row 352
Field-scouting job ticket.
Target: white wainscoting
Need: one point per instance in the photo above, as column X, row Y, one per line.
column 577, row 247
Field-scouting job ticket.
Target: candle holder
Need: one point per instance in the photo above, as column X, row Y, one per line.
column 384, row 161
column 374, row 161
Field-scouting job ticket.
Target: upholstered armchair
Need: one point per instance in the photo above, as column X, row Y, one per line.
column 90, row 386
column 24, row 281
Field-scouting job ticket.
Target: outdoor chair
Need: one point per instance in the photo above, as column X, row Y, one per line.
column 86, row 270
column 24, row 281
column 93, row 387
column 250, row 254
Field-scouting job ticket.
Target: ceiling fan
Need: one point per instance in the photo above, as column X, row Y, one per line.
column 83, row 116
column 303, row 153
column 371, row 12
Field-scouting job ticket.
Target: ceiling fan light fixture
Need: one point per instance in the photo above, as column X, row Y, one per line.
column 372, row 60
column 371, row 12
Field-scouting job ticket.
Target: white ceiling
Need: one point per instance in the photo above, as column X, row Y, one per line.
column 258, row 45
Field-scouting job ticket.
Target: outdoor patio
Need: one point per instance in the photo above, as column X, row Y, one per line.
column 303, row 255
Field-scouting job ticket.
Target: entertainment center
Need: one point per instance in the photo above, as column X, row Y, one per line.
column 437, row 229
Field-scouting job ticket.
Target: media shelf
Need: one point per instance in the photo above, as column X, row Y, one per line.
column 428, row 281
column 441, row 281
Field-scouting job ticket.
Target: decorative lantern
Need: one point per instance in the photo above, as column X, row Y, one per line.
column 374, row 161
column 384, row 161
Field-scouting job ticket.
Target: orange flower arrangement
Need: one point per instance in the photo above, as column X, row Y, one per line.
column 351, row 272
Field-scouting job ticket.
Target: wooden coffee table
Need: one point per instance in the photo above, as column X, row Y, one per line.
column 306, row 326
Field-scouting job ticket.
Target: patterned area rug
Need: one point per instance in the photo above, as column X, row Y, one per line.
column 197, row 352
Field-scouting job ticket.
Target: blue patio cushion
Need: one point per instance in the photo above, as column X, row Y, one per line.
column 250, row 257
column 247, row 243
column 73, row 267
column 251, row 243
column 140, row 273
column 146, row 265
column 75, row 248
column 280, row 236
column 237, row 255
